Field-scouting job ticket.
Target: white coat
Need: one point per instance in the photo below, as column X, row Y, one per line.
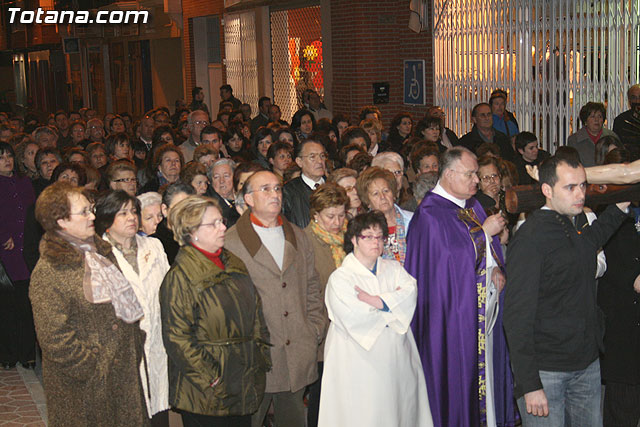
column 152, row 267
column 372, row 371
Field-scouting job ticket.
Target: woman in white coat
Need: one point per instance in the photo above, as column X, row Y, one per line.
column 144, row 263
column 372, row 370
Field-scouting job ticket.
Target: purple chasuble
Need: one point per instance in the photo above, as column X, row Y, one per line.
column 441, row 255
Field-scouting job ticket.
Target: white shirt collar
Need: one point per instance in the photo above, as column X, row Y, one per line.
column 311, row 183
column 442, row 192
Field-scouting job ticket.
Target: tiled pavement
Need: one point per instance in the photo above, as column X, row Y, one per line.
column 21, row 398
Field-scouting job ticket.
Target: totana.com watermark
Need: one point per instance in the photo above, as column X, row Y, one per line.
column 41, row 16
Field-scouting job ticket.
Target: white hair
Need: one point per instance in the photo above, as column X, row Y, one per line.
column 149, row 199
column 388, row 156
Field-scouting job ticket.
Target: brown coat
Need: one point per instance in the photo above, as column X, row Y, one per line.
column 90, row 358
column 324, row 266
column 291, row 302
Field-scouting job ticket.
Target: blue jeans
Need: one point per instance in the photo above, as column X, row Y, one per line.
column 573, row 399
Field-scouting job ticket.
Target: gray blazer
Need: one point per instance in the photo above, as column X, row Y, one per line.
column 585, row 146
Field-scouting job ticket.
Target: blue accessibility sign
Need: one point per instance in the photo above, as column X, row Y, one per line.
column 414, row 82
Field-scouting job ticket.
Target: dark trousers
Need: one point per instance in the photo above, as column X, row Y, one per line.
column 621, row 405
column 17, row 332
column 161, row 419
column 190, row 419
column 314, row 399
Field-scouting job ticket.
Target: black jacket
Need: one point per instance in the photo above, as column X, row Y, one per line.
column 621, row 306
column 551, row 318
column 473, row 140
column 295, row 202
column 521, row 163
column 229, row 212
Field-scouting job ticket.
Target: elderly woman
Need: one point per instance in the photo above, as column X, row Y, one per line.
column 212, row 323
column 97, row 155
column 346, row 178
column 150, row 212
column 373, row 128
column 195, row 174
column 372, row 370
column 329, row 204
column 592, row 116
column 167, row 163
column 17, row 336
column 144, row 264
column 46, row 161
column 86, row 316
column 394, row 163
column 377, row 188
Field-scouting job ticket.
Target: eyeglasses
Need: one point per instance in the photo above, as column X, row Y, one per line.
column 371, row 238
column 201, row 122
column 467, row 174
column 314, row 156
column 216, row 222
column 397, row 172
column 489, row 178
column 349, row 188
column 267, row 189
column 127, row 180
column 85, row 212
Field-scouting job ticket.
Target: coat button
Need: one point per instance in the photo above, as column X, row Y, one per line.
column 284, row 284
column 636, row 259
column 114, row 327
column 287, row 342
column 286, row 313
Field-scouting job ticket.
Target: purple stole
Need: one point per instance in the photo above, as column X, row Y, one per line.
column 469, row 217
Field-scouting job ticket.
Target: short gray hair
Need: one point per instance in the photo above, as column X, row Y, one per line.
column 388, row 156
column 450, row 156
column 194, row 112
column 219, row 162
column 149, row 199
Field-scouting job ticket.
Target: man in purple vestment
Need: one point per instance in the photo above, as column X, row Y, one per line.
column 458, row 323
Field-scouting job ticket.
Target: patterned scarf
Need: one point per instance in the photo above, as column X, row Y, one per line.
column 335, row 241
column 104, row 282
column 395, row 247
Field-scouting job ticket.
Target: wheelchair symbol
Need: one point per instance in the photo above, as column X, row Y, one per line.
column 414, row 88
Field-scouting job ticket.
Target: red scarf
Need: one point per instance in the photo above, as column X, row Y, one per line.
column 594, row 138
column 259, row 223
column 212, row 256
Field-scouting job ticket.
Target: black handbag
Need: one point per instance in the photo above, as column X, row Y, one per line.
column 6, row 284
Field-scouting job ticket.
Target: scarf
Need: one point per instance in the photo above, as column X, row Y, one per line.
column 335, row 241
column 104, row 282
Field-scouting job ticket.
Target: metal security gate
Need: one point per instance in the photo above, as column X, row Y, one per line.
column 296, row 46
column 551, row 56
column 241, row 59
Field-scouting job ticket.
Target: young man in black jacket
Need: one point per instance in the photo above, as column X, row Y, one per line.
column 553, row 325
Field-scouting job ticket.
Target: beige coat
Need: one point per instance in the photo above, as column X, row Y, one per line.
column 291, row 300
column 324, row 266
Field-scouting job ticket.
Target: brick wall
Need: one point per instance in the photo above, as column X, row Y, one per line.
column 192, row 9
column 370, row 40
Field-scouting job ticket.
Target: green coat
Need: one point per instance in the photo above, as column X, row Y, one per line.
column 215, row 335
column 90, row 358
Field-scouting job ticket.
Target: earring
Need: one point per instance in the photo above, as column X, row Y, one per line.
column 315, row 220
column 195, row 238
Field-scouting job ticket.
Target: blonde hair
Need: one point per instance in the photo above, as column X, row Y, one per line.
column 186, row 216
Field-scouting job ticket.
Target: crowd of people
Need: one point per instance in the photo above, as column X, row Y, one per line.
column 246, row 271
